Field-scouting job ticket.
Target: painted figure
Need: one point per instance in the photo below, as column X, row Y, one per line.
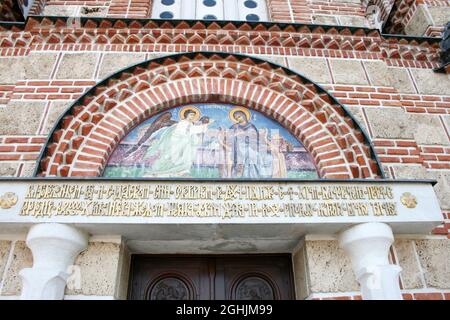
column 175, row 147
column 245, row 146
column 210, row 141
column 162, row 121
column 279, row 169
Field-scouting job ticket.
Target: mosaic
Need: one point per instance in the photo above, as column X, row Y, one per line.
column 210, row 141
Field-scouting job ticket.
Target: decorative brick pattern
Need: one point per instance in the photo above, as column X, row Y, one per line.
column 20, row 148
column 432, row 157
column 404, row 11
column 48, row 90
column 87, row 136
column 240, row 37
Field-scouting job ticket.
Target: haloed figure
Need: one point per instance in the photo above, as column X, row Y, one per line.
column 176, row 146
column 244, row 138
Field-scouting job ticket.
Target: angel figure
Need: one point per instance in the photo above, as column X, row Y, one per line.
column 175, row 147
column 164, row 120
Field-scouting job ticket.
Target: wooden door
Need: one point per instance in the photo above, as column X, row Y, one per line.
column 257, row 277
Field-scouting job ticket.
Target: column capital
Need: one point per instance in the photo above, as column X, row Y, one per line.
column 54, row 247
column 368, row 247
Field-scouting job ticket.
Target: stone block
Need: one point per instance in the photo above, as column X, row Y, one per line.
column 28, row 169
column 389, row 123
column 274, row 59
column 61, row 10
column 428, row 129
column 442, row 188
column 8, row 169
column 315, row 69
column 77, row 66
column 439, row 15
column 329, row 268
column 21, row 117
column 400, row 80
column 387, row 172
column 99, row 267
column 153, row 55
column 124, row 272
column 347, row 72
column 300, row 274
column 56, row 109
column 21, row 258
column 411, row 172
column 378, row 73
column 447, row 122
column 33, row 66
column 419, row 22
column 327, row 20
column 430, row 82
column 113, row 62
column 411, row 275
column 5, row 248
column 357, row 113
column 353, row 21
column 434, row 256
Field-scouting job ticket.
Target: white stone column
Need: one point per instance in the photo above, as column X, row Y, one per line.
column 368, row 246
column 54, row 247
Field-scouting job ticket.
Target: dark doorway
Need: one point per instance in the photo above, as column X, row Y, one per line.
column 239, row 277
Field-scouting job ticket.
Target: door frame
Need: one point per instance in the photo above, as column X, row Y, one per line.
column 137, row 256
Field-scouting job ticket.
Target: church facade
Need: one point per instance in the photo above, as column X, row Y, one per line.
column 216, row 149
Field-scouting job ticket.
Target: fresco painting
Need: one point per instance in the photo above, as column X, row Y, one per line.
column 211, row 141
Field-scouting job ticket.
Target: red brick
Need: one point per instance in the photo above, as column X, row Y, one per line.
column 407, row 296
column 32, row 148
column 16, row 140
column 406, row 144
column 9, row 156
column 7, row 148
column 397, row 151
column 432, row 149
column 428, row 296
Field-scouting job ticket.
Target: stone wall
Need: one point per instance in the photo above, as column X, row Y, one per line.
column 387, row 84
column 323, row 271
column 403, row 110
column 109, row 257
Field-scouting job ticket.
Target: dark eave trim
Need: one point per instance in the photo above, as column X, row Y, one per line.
column 222, row 180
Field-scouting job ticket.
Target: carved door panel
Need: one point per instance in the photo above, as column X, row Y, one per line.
column 169, row 278
column 254, row 278
column 211, row 278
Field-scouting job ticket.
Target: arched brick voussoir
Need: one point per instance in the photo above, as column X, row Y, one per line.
column 154, row 100
column 88, row 133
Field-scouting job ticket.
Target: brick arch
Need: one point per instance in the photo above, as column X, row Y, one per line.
column 86, row 135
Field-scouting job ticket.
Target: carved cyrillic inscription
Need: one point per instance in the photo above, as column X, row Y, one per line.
column 224, row 200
